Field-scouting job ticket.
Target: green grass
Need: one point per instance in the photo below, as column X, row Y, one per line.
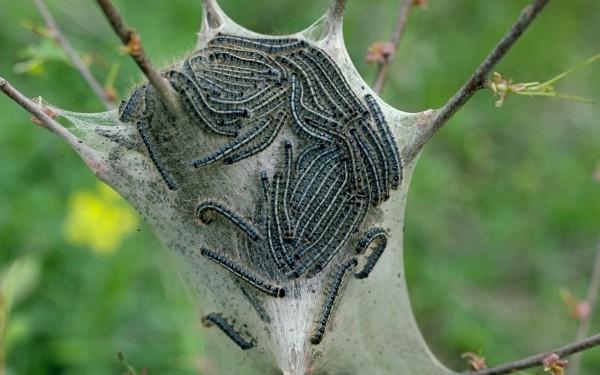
column 502, row 214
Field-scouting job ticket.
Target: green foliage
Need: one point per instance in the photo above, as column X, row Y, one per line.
column 502, row 214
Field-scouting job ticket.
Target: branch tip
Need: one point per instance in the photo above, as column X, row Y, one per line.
column 30, row 106
column 44, row 117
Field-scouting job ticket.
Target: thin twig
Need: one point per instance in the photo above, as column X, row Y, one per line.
column 591, row 299
column 538, row 359
column 38, row 112
column 383, row 66
column 42, row 115
column 132, row 43
column 30, row 106
column 478, row 80
column 72, row 54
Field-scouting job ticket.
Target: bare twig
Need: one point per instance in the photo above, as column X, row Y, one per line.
column 383, row 66
column 538, row 359
column 478, row 80
column 72, row 54
column 30, row 106
column 132, row 43
column 44, row 118
column 591, row 299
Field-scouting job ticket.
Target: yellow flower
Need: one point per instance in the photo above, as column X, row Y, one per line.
column 98, row 220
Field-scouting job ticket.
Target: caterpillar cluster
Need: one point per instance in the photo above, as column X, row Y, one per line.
column 344, row 163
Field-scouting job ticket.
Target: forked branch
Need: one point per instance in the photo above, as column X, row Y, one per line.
column 478, row 80
column 538, row 359
column 133, row 45
column 72, row 54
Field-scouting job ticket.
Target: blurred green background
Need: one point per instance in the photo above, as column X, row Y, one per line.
column 503, row 213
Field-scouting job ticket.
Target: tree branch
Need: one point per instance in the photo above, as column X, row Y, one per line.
column 45, row 117
column 538, row 359
column 40, row 114
column 591, row 299
column 383, row 66
column 478, row 80
column 72, row 54
column 132, row 43
column 29, row 105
